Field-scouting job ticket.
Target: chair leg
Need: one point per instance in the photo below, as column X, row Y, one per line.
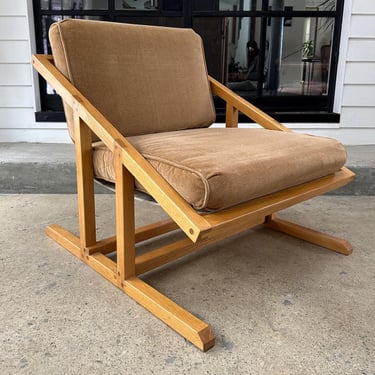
column 125, row 222
column 190, row 327
column 122, row 273
column 336, row 244
column 85, row 183
column 85, row 194
column 187, row 325
column 193, row 329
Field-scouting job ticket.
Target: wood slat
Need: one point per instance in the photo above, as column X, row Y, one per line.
column 104, row 266
column 277, row 201
column 85, row 183
column 155, row 229
column 179, row 249
column 65, row 239
column 318, row 238
column 196, row 331
column 125, row 220
column 231, row 117
column 108, row 245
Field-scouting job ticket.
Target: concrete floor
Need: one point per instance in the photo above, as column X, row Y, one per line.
column 276, row 304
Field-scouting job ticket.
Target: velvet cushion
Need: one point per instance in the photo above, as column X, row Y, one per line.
column 217, row 168
column 143, row 79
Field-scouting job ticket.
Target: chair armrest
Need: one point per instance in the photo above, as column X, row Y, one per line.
column 178, row 209
column 237, row 103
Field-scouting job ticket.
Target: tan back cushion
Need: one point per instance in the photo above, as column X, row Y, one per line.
column 144, row 79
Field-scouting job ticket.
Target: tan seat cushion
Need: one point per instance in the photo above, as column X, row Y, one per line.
column 217, row 168
column 143, row 79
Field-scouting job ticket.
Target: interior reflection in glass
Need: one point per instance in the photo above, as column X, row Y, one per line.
column 293, row 56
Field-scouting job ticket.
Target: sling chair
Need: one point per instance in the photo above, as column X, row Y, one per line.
column 139, row 105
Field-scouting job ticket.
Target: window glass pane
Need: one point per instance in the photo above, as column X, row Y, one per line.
column 243, row 45
column 153, row 21
column 227, row 5
column 136, row 4
column 175, row 5
column 94, row 4
column 298, row 57
column 73, row 4
column 246, row 5
column 314, row 5
column 232, row 49
column 236, row 5
column 51, row 4
column 213, row 31
column 47, row 21
column 295, row 59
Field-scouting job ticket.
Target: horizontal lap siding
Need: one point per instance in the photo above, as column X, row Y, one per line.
column 16, row 96
column 358, row 117
column 363, row 6
column 15, row 74
column 362, row 25
column 360, row 73
column 20, row 119
column 14, row 52
column 16, row 78
column 14, row 28
column 359, row 96
column 13, row 8
column 358, row 99
column 17, row 117
column 17, row 91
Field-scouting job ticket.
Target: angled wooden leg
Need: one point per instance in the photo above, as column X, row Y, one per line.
column 193, row 329
column 125, row 223
column 122, row 273
column 318, row 238
column 186, row 324
column 85, row 183
column 190, row 327
column 85, row 194
column 64, row 238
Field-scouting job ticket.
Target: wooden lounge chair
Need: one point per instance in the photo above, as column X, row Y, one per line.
column 139, row 105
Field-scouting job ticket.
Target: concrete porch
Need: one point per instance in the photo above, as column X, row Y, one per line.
column 277, row 305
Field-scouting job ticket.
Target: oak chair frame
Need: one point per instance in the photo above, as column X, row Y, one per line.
column 200, row 229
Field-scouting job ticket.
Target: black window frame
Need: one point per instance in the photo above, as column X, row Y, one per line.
column 298, row 108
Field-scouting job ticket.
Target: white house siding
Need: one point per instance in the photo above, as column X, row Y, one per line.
column 355, row 89
column 19, row 97
column 358, row 92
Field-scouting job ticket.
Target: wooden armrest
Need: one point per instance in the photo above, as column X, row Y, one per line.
column 179, row 210
column 235, row 101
